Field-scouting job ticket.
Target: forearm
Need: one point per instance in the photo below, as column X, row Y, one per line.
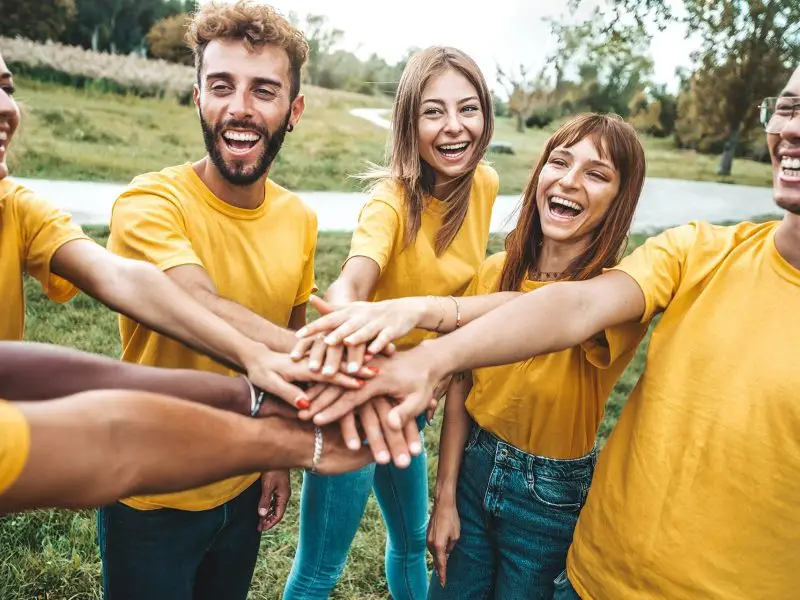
column 141, row 292
column 442, row 314
column 42, row 372
column 97, row 447
column 550, row 319
column 345, row 290
column 455, row 431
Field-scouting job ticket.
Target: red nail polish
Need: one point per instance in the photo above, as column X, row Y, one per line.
column 375, row 370
column 360, row 383
column 302, row 403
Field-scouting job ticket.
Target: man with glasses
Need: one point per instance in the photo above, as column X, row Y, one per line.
column 697, row 492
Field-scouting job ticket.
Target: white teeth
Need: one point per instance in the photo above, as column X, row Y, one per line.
column 787, row 162
column 791, row 173
column 567, row 203
column 454, row 146
column 241, row 136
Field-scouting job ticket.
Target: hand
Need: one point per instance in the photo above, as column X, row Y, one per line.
column 373, row 323
column 275, row 493
column 408, row 377
column 444, row 530
column 273, row 372
column 438, row 394
column 385, row 443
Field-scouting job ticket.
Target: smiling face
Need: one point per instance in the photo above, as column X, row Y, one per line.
column 575, row 190
column 784, row 149
column 9, row 115
column 244, row 104
column 450, row 124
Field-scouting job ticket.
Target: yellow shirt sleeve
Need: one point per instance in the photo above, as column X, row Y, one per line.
column 15, row 443
column 307, row 283
column 658, row 265
column 377, row 233
column 149, row 227
column 43, row 230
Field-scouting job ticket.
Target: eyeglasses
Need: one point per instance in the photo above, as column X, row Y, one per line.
column 775, row 113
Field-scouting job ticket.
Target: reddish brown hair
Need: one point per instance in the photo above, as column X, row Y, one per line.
column 616, row 141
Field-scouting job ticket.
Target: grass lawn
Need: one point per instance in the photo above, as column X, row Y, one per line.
column 53, row 554
column 88, row 135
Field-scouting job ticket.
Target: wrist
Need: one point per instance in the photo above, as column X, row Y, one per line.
column 428, row 311
column 239, row 396
column 283, row 444
column 437, row 363
column 445, row 494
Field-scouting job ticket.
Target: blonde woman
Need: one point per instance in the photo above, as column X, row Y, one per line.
column 423, row 231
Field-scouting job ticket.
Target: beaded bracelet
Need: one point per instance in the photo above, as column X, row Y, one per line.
column 318, row 442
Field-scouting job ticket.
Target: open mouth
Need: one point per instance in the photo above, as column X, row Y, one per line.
column 563, row 209
column 453, row 152
column 240, row 142
column 790, row 166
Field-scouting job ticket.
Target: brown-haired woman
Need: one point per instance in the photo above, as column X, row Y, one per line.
column 424, row 230
column 517, row 447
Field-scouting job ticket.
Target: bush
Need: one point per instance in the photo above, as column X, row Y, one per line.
column 39, row 20
column 74, row 66
column 539, row 119
column 166, row 40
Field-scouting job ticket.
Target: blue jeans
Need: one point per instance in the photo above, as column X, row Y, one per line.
column 564, row 589
column 168, row 554
column 518, row 512
column 331, row 508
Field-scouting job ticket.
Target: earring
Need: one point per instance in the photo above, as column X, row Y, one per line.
column 290, row 127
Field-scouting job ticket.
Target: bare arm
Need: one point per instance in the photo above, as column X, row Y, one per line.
column 196, row 281
column 142, row 292
column 31, row 371
column 550, row 319
column 455, row 431
column 96, row 447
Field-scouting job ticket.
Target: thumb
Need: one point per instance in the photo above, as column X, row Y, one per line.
column 321, row 306
column 408, row 409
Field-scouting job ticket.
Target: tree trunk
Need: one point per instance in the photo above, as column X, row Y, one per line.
column 728, row 153
column 520, row 121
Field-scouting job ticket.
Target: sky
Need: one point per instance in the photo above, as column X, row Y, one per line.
column 508, row 32
column 504, row 32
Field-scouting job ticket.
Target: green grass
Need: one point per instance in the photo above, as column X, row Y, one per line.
column 52, row 554
column 91, row 135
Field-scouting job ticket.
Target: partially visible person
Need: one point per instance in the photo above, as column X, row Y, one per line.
column 695, row 494
column 424, row 230
column 242, row 246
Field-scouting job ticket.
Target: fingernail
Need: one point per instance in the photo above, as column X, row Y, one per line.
column 302, row 402
column 352, row 367
column 262, row 512
column 353, row 444
column 330, row 341
column 415, row 448
column 301, row 333
column 313, row 365
column 403, row 460
column 383, row 457
column 360, row 382
column 294, row 354
column 328, row 370
column 374, row 370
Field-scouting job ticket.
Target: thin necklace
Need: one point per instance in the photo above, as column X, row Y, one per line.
column 545, row 275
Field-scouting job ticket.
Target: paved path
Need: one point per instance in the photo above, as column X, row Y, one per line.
column 664, row 202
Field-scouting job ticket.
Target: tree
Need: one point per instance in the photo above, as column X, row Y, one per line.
column 38, row 20
column 119, row 25
column 322, row 39
column 166, row 39
column 524, row 96
column 748, row 49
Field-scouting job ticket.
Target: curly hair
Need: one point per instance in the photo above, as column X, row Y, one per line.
column 254, row 23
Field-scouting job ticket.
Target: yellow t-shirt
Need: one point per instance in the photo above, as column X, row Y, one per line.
column 696, row 494
column 15, row 444
column 550, row 405
column 31, row 231
column 262, row 259
column 416, row 270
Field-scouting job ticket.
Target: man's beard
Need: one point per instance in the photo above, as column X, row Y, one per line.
column 236, row 172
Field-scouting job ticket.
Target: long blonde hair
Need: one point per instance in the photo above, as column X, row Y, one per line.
column 405, row 166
